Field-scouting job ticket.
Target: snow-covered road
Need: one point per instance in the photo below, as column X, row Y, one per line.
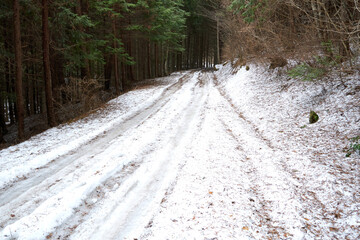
column 182, row 159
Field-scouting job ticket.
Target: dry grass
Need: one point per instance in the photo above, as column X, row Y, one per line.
column 285, row 29
column 79, row 98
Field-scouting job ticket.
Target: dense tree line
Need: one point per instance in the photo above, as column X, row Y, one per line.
column 292, row 28
column 59, row 58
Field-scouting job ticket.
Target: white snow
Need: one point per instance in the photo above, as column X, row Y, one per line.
column 55, row 142
column 199, row 155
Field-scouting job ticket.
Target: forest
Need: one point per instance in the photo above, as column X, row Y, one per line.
column 60, row 59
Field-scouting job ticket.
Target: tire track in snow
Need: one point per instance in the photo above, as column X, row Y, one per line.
column 267, row 176
column 134, row 210
column 314, row 213
column 220, row 192
column 93, row 144
column 92, row 189
column 44, row 181
column 170, row 189
column 72, row 223
column 65, row 230
column 261, row 207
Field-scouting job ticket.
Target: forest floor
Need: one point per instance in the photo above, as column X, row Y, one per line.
column 197, row 155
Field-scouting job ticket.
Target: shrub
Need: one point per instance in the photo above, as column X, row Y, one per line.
column 354, row 146
column 313, row 117
column 79, row 96
column 305, row 72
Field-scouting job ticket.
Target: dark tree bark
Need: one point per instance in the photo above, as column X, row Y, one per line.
column 1, row 136
column 129, row 40
column 116, row 71
column 107, row 72
column 57, row 71
column 149, row 59
column 82, row 8
column 3, row 129
column 2, row 117
column 217, row 42
column 10, row 89
column 18, row 82
column 156, row 60
column 3, row 88
column 201, row 50
column 46, row 62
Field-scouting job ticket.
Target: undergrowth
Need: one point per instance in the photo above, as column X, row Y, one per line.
column 354, row 146
column 305, row 72
column 318, row 67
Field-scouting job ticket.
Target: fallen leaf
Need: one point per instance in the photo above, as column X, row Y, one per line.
column 245, row 228
column 306, row 219
column 210, row 192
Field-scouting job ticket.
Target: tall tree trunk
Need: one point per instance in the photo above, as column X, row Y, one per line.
column 10, row 90
column 46, row 62
column 344, row 48
column 201, row 50
column 2, row 112
column 1, row 137
column 217, row 42
column 149, row 59
column 116, row 71
column 156, row 60
column 188, row 55
column 57, row 73
column 137, row 59
column 166, row 61
column 107, row 72
column 18, row 82
column 2, row 115
column 85, row 70
column 3, row 129
column 32, row 96
column 3, row 88
column 123, row 74
column 207, row 50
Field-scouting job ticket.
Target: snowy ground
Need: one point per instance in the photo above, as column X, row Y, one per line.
column 200, row 155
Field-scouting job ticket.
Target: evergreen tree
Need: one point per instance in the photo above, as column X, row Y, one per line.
column 46, row 62
column 18, row 61
column 88, row 43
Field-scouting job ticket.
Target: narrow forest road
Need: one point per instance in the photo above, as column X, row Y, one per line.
column 185, row 164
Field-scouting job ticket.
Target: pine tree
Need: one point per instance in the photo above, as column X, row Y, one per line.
column 46, row 62
column 18, row 82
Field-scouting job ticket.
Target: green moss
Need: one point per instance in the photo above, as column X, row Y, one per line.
column 313, row 117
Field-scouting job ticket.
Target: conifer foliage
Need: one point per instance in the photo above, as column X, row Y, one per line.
column 60, row 58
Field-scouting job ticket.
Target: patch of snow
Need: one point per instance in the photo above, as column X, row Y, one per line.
column 225, row 155
column 47, row 146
